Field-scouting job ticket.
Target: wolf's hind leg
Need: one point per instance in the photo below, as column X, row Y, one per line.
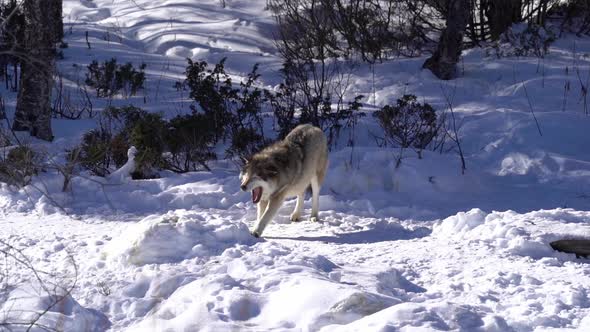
column 298, row 207
column 273, row 206
column 315, row 198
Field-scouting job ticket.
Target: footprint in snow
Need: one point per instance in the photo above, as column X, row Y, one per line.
column 88, row 3
column 243, row 309
column 98, row 15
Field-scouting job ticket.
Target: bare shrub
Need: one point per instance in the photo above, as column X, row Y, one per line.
column 17, row 271
column 315, row 90
column 408, row 124
column 283, row 103
column 71, row 106
column 370, row 29
column 451, row 126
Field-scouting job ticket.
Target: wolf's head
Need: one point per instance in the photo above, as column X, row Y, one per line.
column 260, row 176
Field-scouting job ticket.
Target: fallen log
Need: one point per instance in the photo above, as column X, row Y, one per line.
column 579, row 247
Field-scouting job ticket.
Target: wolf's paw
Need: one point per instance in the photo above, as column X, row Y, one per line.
column 295, row 217
column 255, row 234
column 314, row 219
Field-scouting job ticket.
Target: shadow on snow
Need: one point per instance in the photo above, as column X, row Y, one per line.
column 367, row 236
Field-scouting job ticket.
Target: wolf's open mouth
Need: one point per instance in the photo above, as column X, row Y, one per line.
column 256, row 194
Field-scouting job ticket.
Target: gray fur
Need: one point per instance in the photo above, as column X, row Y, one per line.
column 286, row 169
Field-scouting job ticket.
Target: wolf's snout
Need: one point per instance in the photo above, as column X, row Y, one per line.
column 243, row 187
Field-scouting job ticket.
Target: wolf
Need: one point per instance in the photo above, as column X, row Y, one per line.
column 286, row 169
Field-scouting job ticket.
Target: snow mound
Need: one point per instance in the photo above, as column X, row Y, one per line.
column 176, row 236
column 460, row 224
column 519, row 234
column 49, row 312
column 425, row 317
column 264, row 287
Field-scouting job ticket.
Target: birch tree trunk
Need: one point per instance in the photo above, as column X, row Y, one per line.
column 43, row 29
column 443, row 63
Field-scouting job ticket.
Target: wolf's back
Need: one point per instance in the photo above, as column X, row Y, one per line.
column 315, row 147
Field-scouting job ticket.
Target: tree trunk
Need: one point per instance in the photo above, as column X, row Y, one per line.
column 501, row 14
column 444, row 61
column 42, row 31
column 57, row 20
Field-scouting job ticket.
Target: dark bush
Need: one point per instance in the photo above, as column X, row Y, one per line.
column 130, row 80
column 244, row 143
column 19, row 165
column 94, row 152
column 213, row 93
column 105, row 149
column 132, row 126
column 236, row 113
column 148, row 135
column 109, row 78
column 116, row 119
column 119, row 146
column 190, row 140
column 525, row 40
column 408, row 124
column 182, row 144
column 576, row 15
column 249, row 100
column 230, row 112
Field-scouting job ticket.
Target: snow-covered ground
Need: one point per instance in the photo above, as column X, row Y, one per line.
column 417, row 248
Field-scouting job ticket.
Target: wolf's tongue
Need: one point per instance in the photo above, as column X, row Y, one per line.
column 256, row 194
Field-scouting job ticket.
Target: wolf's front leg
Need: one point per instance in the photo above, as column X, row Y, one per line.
column 298, row 207
column 273, row 206
column 261, row 207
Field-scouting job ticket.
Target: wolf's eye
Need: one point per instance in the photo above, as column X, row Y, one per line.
column 272, row 171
